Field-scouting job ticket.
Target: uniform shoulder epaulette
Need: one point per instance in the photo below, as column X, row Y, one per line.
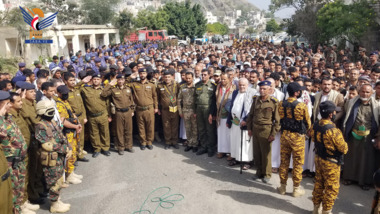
column 274, row 99
column 213, row 83
column 254, row 97
column 86, row 85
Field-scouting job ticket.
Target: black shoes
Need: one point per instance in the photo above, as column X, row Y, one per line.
column 39, row 201
column 167, row 147
column 106, row 153
column 83, row 159
column 95, row 154
column 150, row 147
column 195, row 149
column 188, row 148
column 201, row 152
column 142, row 147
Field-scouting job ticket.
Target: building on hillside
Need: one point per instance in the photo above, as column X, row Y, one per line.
column 68, row 39
column 135, row 6
column 211, row 19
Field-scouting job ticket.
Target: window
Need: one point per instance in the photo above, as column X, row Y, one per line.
column 160, row 33
column 150, row 34
column 155, row 33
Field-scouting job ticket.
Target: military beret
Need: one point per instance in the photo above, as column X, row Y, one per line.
column 127, row 71
column 97, row 60
column 63, row 89
column 4, row 95
column 25, row 85
column 119, row 76
column 265, row 83
column 327, row 107
column 166, row 72
column 132, row 65
column 142, row 70
column 36, row 62
column 18, row 78
column 96, row 76
column 21, row 64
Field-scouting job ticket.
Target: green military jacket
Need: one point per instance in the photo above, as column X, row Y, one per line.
column 21, row 123
column 205, row 96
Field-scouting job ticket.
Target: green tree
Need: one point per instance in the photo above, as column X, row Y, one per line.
column 185, row 20
column 217, row 28
column 272, row 26
column 349, row 22
column 68, row 11
column 124, row 21
column 142, row 19
column 98, row 12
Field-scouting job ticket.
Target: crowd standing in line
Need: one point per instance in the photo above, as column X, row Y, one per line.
column 271, row 107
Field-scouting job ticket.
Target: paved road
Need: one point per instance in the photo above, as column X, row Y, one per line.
column 121, row 184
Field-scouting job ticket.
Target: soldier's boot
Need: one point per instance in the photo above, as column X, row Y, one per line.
column 282, row 189
column 80, row 177
column 30, row 206
column 57, row 207
column 298, row 191
column 327, row 212
column 72, row 180
column 27, row 211
column 157, row 137
column 317, row 209
column 63, row 204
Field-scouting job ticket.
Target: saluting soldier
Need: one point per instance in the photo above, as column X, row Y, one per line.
column 295, row 122
column 263, row 123
column 15, row 111
column 98, row 116
column 122, row 98
column 167, row 92
column 330, row 147
column 15, row 149
column 28, row 112
column 145, row 97
column 186, row 106
column 76, row 102
column 205, row 112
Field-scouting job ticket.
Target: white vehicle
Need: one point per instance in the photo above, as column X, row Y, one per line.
column 172, row 37
column 182, row 43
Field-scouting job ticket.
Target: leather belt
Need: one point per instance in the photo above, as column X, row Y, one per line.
column 142, row 108
column 122, row 109
column 5, row 176
column 96, row 114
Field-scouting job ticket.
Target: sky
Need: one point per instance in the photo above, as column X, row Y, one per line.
column 264, row 5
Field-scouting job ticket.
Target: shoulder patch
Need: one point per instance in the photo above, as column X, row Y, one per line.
column 274, row 99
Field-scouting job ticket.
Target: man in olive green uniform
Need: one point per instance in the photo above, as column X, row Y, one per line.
column 186, row 111
column 76, row 102
column 167, row 92
column 121, row 95
column 98, row 116
column 6, row 204
column 15, row 111
column 205, row 109
column 28, row 112
column 145, row 97
column 263, row 123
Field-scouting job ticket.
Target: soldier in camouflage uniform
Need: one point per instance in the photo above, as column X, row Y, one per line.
column 6, row 204
column 205, row 109
column 329, row 146
column 72, row 130
column 54, row 149
column 185, row 103
column 295, row 121
column 15, row 150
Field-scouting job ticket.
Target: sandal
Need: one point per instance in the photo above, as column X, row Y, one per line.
column 220, row 155
column 232, row 163
column 246, row 166
column 365, row 187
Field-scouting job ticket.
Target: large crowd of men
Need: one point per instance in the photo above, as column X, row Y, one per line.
column 272, row 107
